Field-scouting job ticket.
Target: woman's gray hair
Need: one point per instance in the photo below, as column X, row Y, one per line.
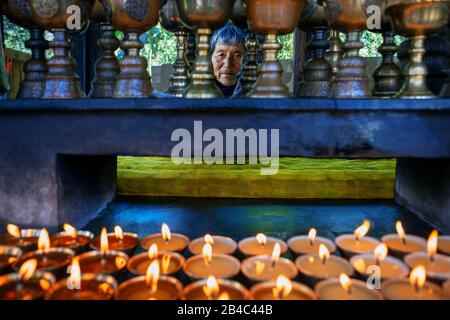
column 228, row 35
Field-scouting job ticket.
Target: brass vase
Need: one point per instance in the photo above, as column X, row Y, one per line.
column 250, row 69
column 336, row 51
column 204, row 16
column 272, row 18
column 35, row 69
column 416, row 19
column 170, row 19
column 61, row 81
column 387, row 77
column 107, row 67
column 317, row 72
column 191, row 50
column 134, row 17
column 350, row 16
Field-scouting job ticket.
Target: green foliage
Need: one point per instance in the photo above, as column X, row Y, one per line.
column 15, row 36
column 287, row 51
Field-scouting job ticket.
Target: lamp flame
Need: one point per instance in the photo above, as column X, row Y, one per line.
column 153, row 252
column 400, row 230
column 104, row 245
column 362, row 230
column 211, row 289
column 165, row 263
column 165, row 231
column 209, row 239
column 432, row 243
column 207, row 253
column 118, row 232
column 27, row 269
column 44, row 240
column 152, row 276
column 74, row 280
column 360, row 265
column 276, row 253
column 346, row 283
column 262, row 239
column 283, row 288
column 324, row 253
column 380, row 252
column 418, row 277
column 260, row 266
column 312, row 235
column 121, row 262
column 13, row 230
column 224, row 296
column 70, row 230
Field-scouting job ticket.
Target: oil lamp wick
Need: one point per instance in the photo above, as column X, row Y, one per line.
column 311, row 242
column 432, row 258
column 404, row 241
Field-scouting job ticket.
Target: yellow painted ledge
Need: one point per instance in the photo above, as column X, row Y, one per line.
column 298, row 178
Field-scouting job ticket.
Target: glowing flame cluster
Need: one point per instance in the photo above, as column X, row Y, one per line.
column 13, row 230
column 118, row 232
column 362, row 230
column 324, row 253
column 418, row 277
column 283, row 288
column 345, row 282
column 432, row 243
column 207, row 253
column 74, row 280
column 209, row 239
column 211, row 290
column 312, row 235
column 153, row 254
column 400, row 230
column 276, row 252
column 380, row 253
column 27, row 269
column 152, row 276
column 104, row 245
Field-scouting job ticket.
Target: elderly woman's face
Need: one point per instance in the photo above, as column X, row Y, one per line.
column 227, row 63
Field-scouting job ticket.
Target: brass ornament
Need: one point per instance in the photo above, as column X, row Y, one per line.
column 417, row 19
column 272, row 18
column 133, row 18
column 170, row 20
column 204, row 16
column 387, row 76
column 35, row 69
column 352, row 79
column 61, row 81
column 317, row 72
column 107, row 67
column 336, row 51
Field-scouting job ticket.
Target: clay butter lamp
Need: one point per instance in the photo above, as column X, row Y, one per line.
column 349, row 16
column 82, row 286
column 446, row 287
column 35, row 69
column 25, row 239
column 215, row 289
column 401, row 244
column 260, row 245
column 344, row 288
column 300, row 245
column 211, row 264
column 104, row 261
column 266, row 267
column 272, row 18
column 317, row 72
column 220, row 244
column 386, row 267
column 170, row 19
column 166, row 240
column 358, row 242
column 107, row 67
column 170, row 262
column 118, row 241
column 204, row 16
column 281, row 289
column 61, row 81
column 27, row 284
column 72, row 238
column 387, row 76
column 437, row 265
column 414, row 288
column 152, row 286
column 8, row 256
column 444, row 245
column 315, row 267
column 53, row 260
column 416, row 19
column 134, row 17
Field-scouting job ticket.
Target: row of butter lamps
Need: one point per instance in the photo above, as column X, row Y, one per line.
column 341, row 76
column 215, row 271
